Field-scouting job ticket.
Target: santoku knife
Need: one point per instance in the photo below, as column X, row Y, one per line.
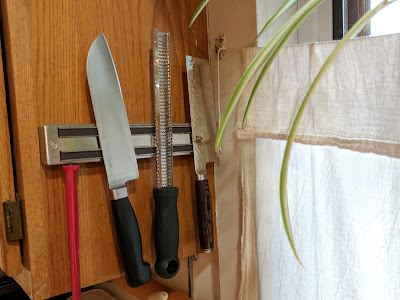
column 118, row 155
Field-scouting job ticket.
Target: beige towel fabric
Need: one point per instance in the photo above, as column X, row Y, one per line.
column 344, row 204
column 355, row 106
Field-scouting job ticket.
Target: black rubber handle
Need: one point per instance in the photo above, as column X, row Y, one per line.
column 166, row 231
column 137, row 272
column 204, row 215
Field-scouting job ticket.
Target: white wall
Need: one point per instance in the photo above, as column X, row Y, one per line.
column 236, row 19
column 317, row 28
column 265, row 11
column 228, row 199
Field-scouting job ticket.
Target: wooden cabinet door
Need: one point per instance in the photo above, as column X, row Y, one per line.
column 10, row 255
column 46, row 44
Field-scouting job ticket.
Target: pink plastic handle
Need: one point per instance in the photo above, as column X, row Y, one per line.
column 73, row 227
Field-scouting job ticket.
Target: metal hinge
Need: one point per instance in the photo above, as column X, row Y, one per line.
column 13, row 220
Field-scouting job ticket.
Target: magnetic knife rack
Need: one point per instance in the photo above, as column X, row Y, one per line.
column 63, row 144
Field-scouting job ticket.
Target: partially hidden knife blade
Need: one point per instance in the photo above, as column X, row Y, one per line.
column 203, row 134
column 118, row 155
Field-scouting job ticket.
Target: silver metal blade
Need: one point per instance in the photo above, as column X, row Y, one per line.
column 202, row 114
column 111, row 119
column 162, row 108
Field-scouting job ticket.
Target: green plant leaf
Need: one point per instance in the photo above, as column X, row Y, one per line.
column 199, row 9
column 255, row 65
column 284, row 8
column 354, row 31
column 271, row 58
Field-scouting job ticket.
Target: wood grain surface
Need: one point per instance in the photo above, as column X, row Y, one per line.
column 10, row 255
column 151, row 287
column 46, row 44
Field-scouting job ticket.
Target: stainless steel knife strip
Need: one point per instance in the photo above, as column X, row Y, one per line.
column 63, row 144
column 162, row 107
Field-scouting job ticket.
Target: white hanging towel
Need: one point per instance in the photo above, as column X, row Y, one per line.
column 355, row 106
column 344, row 204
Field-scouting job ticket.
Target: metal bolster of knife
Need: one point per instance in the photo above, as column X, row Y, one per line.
column 201, row 176
column 63, row 144
column 119, row 193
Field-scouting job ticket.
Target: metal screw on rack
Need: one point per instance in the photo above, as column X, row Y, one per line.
column 53, row 145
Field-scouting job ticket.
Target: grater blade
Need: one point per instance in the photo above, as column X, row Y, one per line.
column 162, row 108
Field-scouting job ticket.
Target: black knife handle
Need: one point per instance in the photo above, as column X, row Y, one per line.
column 137, row 272
column 166, row 231
column 204, row 216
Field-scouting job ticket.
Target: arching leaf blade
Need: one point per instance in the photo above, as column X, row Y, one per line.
column 198, row 10
column 270, row 59
column 255, row 65
column 284, row 8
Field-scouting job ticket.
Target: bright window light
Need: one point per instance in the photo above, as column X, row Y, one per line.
column 386, row 21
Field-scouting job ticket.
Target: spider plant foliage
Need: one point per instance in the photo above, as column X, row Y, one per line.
column 288, row 4
column 263, row 61
column 198, row 11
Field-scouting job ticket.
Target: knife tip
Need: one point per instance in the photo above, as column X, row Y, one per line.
column 101, row 39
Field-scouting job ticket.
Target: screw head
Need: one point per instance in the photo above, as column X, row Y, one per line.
column 53, row 145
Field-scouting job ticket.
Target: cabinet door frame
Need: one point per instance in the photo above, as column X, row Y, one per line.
column 10, row 253
column 46, row 46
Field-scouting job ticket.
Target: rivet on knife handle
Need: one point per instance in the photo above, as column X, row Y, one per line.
column 166, row 222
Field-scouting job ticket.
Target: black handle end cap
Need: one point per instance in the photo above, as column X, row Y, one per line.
column 167, row 268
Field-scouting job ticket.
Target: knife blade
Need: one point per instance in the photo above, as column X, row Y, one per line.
column 118, row 155
column 166, row 221
column 203, row 134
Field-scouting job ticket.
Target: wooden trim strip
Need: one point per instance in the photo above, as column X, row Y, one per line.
column 10, row 254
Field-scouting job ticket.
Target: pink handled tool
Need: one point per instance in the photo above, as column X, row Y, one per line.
column 73, row 227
